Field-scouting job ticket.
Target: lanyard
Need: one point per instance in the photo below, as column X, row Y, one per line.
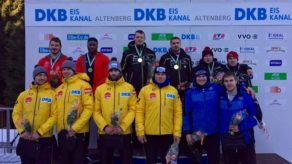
column 53, row 63
column 234, row 71
column 90, row 62
column 139, row 53
column 211, row 69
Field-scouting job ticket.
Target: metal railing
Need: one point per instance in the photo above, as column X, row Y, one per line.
column 8, row 135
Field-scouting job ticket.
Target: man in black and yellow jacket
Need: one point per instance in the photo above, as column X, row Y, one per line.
column 115, row 103
column 32, row 117
column 158, row 116
column 74, row 100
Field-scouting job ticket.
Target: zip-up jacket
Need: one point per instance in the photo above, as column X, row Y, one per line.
column 202, row 109
column 115, row 97
column 138, row 73
column 57, row 67
column 214, row 68
column 74, row 89
column 241, row 102
column 159, row 111
column 100, row 66
column 35, row 106
column 240, row 70
column 183, row 73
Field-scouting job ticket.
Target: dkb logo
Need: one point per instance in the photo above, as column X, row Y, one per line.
column 149, row 14
column 250, row 14
column 50, row 15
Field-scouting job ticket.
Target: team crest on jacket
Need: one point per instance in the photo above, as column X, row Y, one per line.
column 28, row 100
column 107, row 95
column 60, row 93
column 87, row 90
column 152, row 95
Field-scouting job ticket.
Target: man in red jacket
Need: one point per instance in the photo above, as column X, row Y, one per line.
column 53, row 62
column 94, row 63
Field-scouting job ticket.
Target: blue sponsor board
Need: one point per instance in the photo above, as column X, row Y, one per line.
column 106, row 50
column 44, row 50
column 77, row 36
column 275, row 62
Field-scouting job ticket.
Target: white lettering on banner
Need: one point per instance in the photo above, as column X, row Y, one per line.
column 131, row 14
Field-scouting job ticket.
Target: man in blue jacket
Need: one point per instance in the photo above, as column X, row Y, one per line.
column 201, row 117
column 237, row 119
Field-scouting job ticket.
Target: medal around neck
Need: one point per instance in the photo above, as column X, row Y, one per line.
column 176, row 67
column 140, row 60
column 90, row 69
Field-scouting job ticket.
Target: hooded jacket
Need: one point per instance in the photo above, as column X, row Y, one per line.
column 36, row 106
column 138, row 73
column 115, row 97
column 74, row 89
column 158, row 111
column 183, row 73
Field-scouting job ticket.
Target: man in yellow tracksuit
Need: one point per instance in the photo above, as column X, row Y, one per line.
column 158, row 116
column 115, row 103
column 32, row 118
column 73, row 96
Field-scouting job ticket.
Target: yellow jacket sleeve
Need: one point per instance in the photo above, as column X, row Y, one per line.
column 87, row 105
column 129, row 118
column 17, row 113
column 97, row 116
column 177, row 116
column 49, row 124
column 140, row 114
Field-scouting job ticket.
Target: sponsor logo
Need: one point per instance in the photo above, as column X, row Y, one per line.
column 106, row 49
column 46, row 99
column 190, row 49
column 275, row 89
column 255, row 89
column 87, row 90
column 131, row 36
column 220, row 50
column 275, row 36
column 152, row 96
column 275, row 76
column 77, row 51
column 125, row 94
column 218, row 36
column 250, row 50
column 160, row 49
column 190, row 37
column 75, row 92
column 44, row 50
column 107, row 95
column 222, row 61
column 247, row 36
column 275, row 50
column 47, row 36
column 248, row 62
column 275, row 62
column 60, row 93
column 125, row 48
column 77, row 36
column 170, row 95
column 28, row 100
column 106, row 36
column 276, row 103
column 60, row 15
column 161, row 36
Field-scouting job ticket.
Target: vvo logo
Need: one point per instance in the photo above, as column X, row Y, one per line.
column 160, row 49
column 106, row 49
column 247, row 36
column 275, row 36
column 250, row 50
column 250, row 14
column 220, row 50
column 190, row 37
column 149, row 14
column 50, row 15
column 190, row 49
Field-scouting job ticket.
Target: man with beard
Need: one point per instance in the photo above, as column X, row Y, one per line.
column 115, row 103
column 178, row 65
column 53, row 62
column 138, row 62
column 93, row 63
column 211, row 64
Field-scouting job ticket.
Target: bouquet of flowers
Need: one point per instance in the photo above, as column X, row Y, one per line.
column 115, row 118
column 72, row 116
column 26, row 126
column 236, row 119
column 172, row 154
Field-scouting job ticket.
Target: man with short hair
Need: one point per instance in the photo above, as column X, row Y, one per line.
column 115, row 103
column 93, row 63
column 74, row 109
column 158, row 116
column 32, row 117
column 138, row 62
column 53, row 62
column 237, row 119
